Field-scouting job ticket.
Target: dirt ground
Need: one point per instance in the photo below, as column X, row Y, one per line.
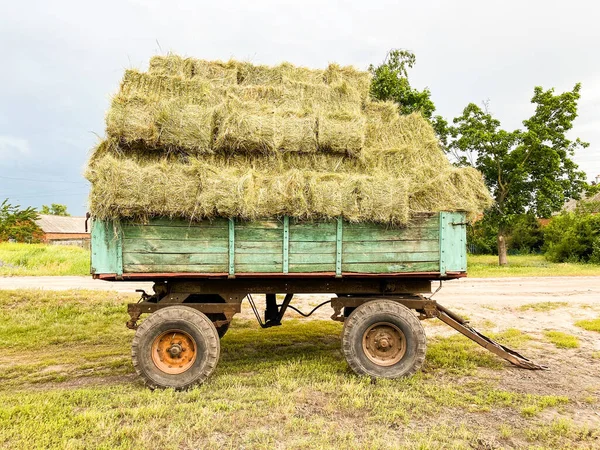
column 492, row 306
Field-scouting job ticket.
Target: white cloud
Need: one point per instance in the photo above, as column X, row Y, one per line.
column 13, row 147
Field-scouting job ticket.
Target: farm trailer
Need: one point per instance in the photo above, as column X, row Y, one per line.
column 202, row 271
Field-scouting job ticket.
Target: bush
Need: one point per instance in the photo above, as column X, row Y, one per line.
column 524, row 235
column 573, row 237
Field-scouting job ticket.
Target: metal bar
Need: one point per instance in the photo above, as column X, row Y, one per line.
column 284, row 305
column 207, row 308
column 151, row 276
column 286, row 244
column 353, row 302
column 119, row 242
column 338, row 248
column 460, row 325
column 231, row 248
column 442, row 239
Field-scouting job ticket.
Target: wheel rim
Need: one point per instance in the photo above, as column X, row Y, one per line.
column 384, row 344
column 174, row 352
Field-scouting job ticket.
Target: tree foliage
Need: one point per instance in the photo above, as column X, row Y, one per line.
column 390, row 82
column 55, row 209
column 17, row 223
column 529, row 170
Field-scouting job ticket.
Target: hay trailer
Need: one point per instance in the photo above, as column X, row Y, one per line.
column 379, row 279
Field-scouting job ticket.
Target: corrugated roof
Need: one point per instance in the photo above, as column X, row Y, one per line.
column 571, row 205
column 61, row 224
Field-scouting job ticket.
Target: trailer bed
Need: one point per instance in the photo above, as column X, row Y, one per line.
column 432, row 246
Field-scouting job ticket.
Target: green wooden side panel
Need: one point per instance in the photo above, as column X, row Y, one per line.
column 371, row 248
column 259, row 246
column 430, row 243
column 312, row 246
column 106, row 249
column 165, row 246
column 453, row 242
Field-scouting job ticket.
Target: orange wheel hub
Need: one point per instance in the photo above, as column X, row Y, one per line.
column 384, row 344
column 174, row 352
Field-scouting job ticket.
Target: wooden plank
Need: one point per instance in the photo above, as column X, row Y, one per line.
column 259, row 258
column 389, row 257
column 312, row 247
column 428, row 222
column 176, row 233
column 166, row 222
column 312, row 258
column 170, row 268
column 262, row 224
column 391, row 267
column 167, row 246
column 258, row 268
column 319, row 231
column 300, row 268
column 259, row 247
column 174, row 258
column 258, row 234
column 391, row 246
column 353, row 234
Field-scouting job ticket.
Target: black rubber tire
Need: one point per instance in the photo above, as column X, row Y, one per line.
column 373, row 312
column 182, row 318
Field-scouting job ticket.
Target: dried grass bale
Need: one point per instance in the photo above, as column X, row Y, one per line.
column 244, row 73
column 122, row 187
column 200, row 139
column 341, row 135
column 160, row 126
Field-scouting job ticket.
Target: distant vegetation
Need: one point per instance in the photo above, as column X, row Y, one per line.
column 41, row 259
column 55, row 209
column 570, row 237
column 18, row 224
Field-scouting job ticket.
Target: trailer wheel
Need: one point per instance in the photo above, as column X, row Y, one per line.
column 175, row 347
column 383, row 339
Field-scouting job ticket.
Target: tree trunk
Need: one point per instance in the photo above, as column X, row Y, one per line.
column 502, row 259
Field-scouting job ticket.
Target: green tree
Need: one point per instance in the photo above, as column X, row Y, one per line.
column 390, row 82
column 528, row 170
column 55, row 209
column 17, row 223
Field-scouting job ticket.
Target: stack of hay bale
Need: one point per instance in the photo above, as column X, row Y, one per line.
column 200, row 139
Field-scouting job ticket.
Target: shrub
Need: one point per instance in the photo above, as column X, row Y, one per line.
column 573, row 237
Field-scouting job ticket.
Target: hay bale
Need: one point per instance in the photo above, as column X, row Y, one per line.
column 133, row 119
column 341, row 135
column 190, row 68
column 124, row 187
column 245, row 73
column 201, row 139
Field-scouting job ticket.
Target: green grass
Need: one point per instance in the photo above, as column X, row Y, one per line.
column 42, row 259
column 486, row 266
column 589, row 325
column 66, row 381
column 562, row 340
column 543, row 306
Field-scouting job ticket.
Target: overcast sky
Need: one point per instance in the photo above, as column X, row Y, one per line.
column 62, row 60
